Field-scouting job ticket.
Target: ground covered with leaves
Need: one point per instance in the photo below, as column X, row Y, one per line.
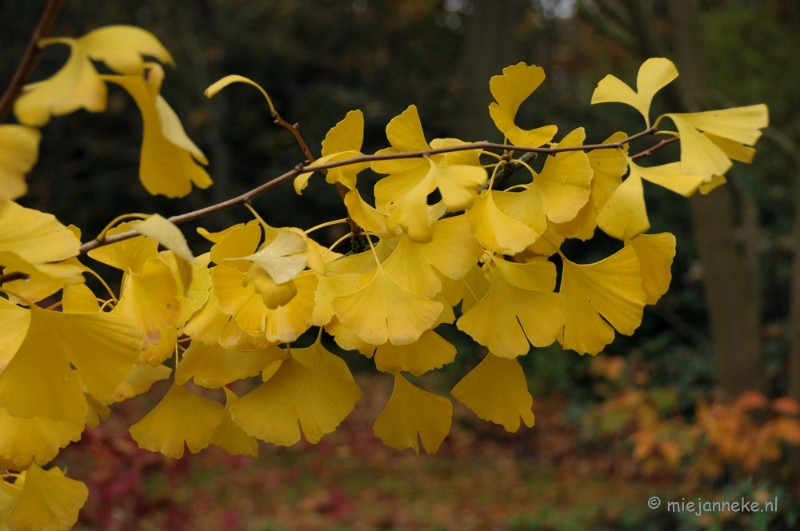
column 556, row 476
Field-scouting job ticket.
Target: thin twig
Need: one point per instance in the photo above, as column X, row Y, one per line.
column 301, row 169
column 649, row 151
column 295, row 130
column 25, row 68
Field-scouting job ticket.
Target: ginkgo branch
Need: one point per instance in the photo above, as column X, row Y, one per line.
column 300, row 169
column 649, row 151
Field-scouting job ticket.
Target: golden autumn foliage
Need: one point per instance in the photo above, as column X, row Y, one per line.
column 485, row 259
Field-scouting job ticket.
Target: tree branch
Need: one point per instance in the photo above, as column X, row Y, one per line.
column 649, row 151
column 301, row 169
column 25, row 68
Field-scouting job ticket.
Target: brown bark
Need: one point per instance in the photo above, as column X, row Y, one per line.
column 730, row 266
column 488, row 48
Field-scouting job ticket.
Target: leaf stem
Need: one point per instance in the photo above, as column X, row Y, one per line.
column 326, row 224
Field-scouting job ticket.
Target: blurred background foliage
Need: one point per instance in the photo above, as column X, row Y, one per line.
column 319, row 59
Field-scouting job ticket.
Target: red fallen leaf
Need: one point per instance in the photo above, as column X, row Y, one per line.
column 177, row 519
column 751, row 400
column 786, row 405
column 230, row 519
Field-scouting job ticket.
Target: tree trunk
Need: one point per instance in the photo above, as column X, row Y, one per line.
column 488, row 48
column 730, row 276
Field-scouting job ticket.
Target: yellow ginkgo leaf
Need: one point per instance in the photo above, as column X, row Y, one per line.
column 611, row 288
column 237, row 297
column 6, row 498
column 715, row 182
column 166, row 233
column 38, row 286
column 384, row 311
column 48, row 500
column 699, row 155
column 217, row 237
column 655, row 253
column 403, row 194
column 510, row 90
column 346, row 135
column 367, row 217
column 430, row 351
column 139, row 381
column 19, row 150
column 405, row 132
column 239, row 240
column 345, row 175
column 405, row 175
column 453, row 249
column 410, row 270
column 214, row 366
column 546, row 246
column 288, row 322
column 167, row 163
column 34, row 236
column 35, row 440
column 121, row 48
column 77, row 85
column 342, row 142
column 411, row 215
column 671, row 177
column 733, row 150
column 525, row 206
column 565, row 180
column 458, row 184
column 413, row 414
column 181, row 417
column 608, row 167
column 79, row 298
column 654, row 74
column 624, row 214
column 496, row 390
column 95, row 412
column 311, row 387
column 284, row 257
column 193, row 288
column 328, row 288
column 14, row 323
column 347, row 339
column 518, row 308
column 46, row 274
column 234, row 338
column 740, row 124
column 207, row 323
column 38, row 381
column 150, row 299
column 127, row 254
column 477, row 286
column 172, row 130
column 496, row 231
column 230, row 436
column 272, row 293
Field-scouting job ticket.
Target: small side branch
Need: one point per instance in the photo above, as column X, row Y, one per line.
column 25, row 68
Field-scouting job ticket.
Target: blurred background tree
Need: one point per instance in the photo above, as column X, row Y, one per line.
column 731, row 320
